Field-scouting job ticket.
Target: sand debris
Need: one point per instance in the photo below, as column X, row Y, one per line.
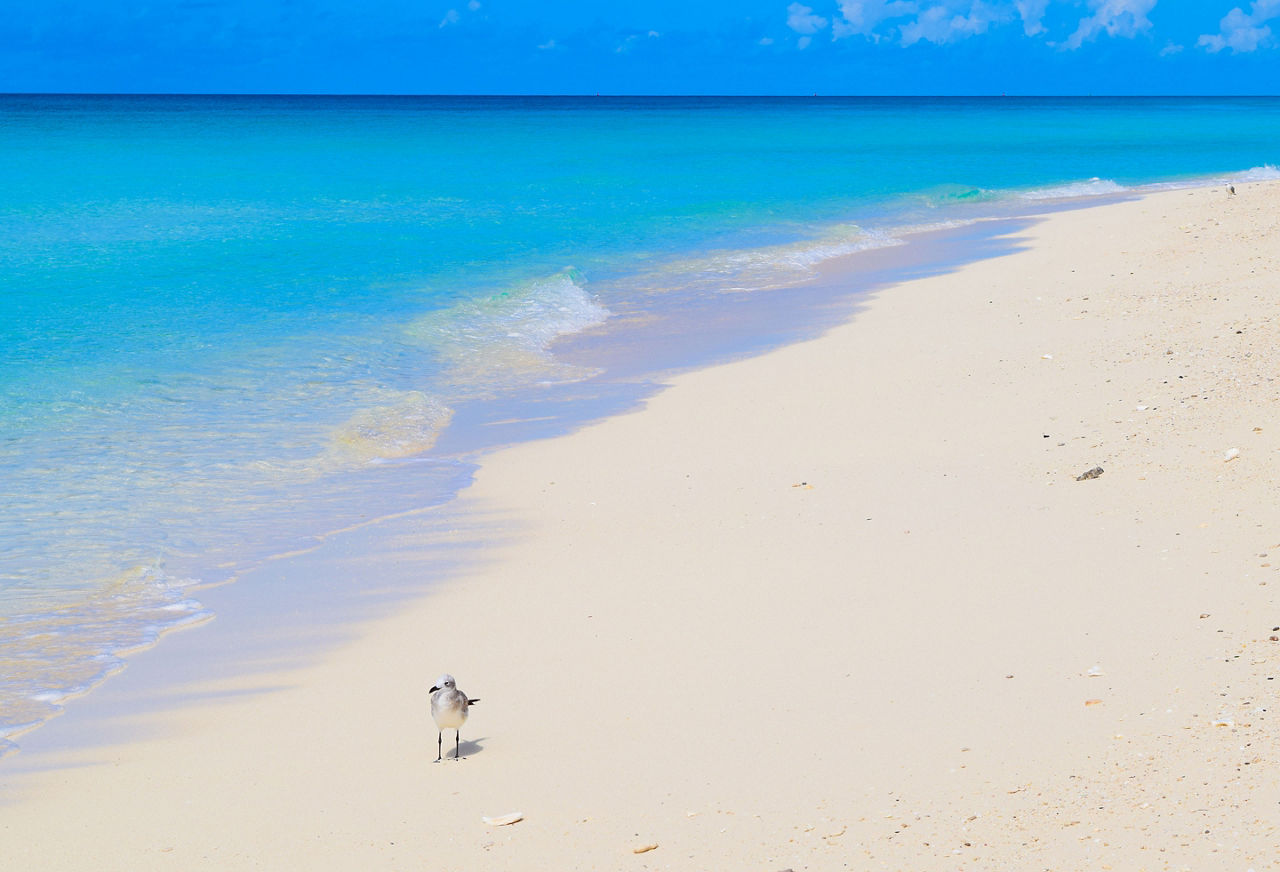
column 644, row 849
column 503, row 820
column 1232, row 454
column 1093, row 473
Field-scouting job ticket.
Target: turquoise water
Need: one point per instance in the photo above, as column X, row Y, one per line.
column 230, row 324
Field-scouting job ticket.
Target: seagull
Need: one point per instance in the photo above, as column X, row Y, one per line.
column 1231, row 190
column 449, row 710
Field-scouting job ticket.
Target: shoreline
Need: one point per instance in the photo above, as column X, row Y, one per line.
column 634, row 361
column 784, row 627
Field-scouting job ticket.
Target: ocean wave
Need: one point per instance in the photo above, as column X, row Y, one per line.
column 1264, row 173
column 503, row 340
column 839, row 241
column 1092, row 188
column 396, row 425
column 762, row 269
column 944, row 196
column 54, row 651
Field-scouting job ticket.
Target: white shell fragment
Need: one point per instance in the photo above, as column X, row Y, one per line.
column 503, row 820
column 1232, row 454
column 1094, row 671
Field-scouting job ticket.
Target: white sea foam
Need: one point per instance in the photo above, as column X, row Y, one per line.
column 765, row 268
column 499, row 341
column 55, row 653
column 840, row 241
column 1265, row 173
column 1092, row 188
column 504, row 340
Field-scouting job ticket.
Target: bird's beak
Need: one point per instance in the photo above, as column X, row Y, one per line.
column 433, row 690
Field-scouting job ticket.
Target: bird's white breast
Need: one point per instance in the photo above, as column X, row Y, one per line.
column 448, row 709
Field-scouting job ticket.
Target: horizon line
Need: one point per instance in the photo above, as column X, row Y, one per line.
column 602, row 95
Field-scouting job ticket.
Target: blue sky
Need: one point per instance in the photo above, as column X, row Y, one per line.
column 633, row 47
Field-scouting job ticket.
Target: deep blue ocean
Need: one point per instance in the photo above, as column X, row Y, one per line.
column 231, row 324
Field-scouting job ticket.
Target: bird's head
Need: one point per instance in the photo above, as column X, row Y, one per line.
column 444, row 681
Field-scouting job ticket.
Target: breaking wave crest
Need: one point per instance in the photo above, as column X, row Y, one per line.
column 1264, row 173
column 504, row 339
column 1091, row 188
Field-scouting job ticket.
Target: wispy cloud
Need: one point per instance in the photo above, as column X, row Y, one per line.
column 802, row 19
column 1116, row 18
column 940, row 25
column 864, row 16
column 1032, row 14
column 940, row 22
column 1243, row 32
column 627, row 43
column 453, row 16
column 936, row 21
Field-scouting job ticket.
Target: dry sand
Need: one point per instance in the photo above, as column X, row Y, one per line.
column 840, row 605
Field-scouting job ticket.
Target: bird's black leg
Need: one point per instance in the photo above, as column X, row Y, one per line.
column 457, row 744
column 439, row 746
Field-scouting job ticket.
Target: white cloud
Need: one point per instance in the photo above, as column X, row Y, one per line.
column 940, row 25
column 1124, row 18
column 803, row 42
column 946, row 21
column 1243, row 32
column 625, row 45
column 548, row 45
column 802, row 19
column 863, row 16
column 473, row 5
column 766, row 40
column 1032, row 14
column 450, row 17
column 939, row 21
